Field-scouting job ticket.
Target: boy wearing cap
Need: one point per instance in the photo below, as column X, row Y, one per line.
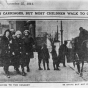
column 55, row 58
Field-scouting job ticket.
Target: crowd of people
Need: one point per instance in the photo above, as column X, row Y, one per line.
column 17, row 49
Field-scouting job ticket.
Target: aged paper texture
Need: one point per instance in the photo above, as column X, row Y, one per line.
column 43, row 43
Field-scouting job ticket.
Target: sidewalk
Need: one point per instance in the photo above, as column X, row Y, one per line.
column 85, row 67
column 72, row 67
column 85, row 70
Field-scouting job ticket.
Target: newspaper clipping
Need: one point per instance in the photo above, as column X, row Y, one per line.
column 43, row 43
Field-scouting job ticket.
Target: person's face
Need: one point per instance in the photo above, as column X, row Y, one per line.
column 18, row 36
column 7, row 34
column 65, row 43
column 26, row 34
column 13, row 36
column 47, row 36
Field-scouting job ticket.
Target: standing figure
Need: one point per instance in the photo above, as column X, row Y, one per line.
column 38, row 49
column 28, row 46
column 15, row 60
column 19, row 52
column 45, row 56
column 63, row 51
column 55, row 58
column 6, row 51
column 48, row 44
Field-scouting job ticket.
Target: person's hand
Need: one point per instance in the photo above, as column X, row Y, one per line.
column 9, row 47
column 13, row 53
column 33, row 46
column 10, row 41
column 26, row 53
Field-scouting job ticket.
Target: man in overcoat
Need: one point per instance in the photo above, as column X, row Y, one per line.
column 63, row 51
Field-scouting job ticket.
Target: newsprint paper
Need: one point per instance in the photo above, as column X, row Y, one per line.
column 43, row 43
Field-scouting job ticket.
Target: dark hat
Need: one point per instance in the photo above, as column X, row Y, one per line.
column 81, row 28
column 18, row 32
column 65, row 42
column 7, row 31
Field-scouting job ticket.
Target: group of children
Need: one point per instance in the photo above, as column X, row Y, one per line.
column 43, row 55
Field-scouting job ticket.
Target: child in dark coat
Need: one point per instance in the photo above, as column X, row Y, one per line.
column 55, row 58
column 38, row 49
column 45, row 56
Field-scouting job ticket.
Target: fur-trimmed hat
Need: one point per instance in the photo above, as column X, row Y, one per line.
column 18, row 33
column 26, row 31
column 12, row 30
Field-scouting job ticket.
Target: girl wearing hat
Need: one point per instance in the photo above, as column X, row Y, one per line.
column 28, row 46
column 19, row 52
column 6, row 51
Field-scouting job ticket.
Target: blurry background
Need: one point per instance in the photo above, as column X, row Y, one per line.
column 40, row 27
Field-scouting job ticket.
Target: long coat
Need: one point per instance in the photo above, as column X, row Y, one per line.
column 6, row 51
column 39, row 49
column 63, row 51
column 45, row 54
column 18, row 49
column 28, row 45
column 54, row 55
column 14, row 47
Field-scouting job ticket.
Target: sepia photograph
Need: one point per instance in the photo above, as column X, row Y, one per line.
column 47, row 51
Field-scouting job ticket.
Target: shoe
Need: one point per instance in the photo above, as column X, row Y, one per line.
column 54, row 68
column 58, row 69
column 48, row 68
column 7, row 75
column 18, row 72
column 14, row 68
column 23, row 74
column 28, row 70
column 40, row 69
column 65, row 66
column 44, row 68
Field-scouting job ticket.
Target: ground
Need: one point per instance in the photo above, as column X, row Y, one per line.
column 66, row 74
